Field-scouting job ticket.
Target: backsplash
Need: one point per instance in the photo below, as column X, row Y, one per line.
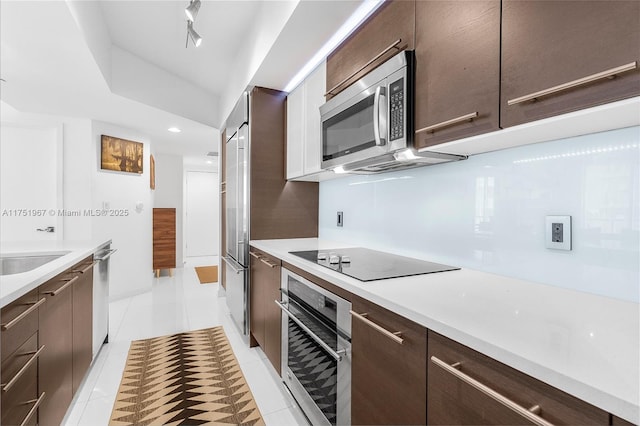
column 488, row 212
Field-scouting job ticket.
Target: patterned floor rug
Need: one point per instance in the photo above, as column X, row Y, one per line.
column 184, row 379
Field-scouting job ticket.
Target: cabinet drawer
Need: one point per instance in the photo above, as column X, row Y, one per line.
column 389, row 378
column 19, row 322
column 22, row 377
column 452, row 401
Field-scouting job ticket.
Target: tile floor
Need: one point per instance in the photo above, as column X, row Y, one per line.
column 175, row 304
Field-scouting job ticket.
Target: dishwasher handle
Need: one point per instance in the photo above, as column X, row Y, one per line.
column 105, row 256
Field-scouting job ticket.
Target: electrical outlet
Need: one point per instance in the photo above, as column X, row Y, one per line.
column 558, row 232
column 339, row 221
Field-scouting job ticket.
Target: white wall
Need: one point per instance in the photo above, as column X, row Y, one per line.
column 131, row 268
column 30, row 157
column 488, row 212
column 169, row 193
column 78, row 171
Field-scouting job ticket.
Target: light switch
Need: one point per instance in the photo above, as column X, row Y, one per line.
column 558, row 232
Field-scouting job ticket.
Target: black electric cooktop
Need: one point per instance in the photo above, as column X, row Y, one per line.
column 370, row 265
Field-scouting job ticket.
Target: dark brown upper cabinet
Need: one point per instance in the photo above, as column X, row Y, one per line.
column 387, row 31
column 457, row 70
column 559, row 56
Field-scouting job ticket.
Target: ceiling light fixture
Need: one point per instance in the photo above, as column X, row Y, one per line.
column 192, row 10
column 193, row 35
column 174, row 130
column 362, row 13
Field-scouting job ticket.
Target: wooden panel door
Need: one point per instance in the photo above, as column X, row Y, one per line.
column 164, row 238
column 82, row 323
column 452, row 401
column 279, row 209
column 55, row 370
column 256, row 298
column 457, row 69
column 550, row 43
column 265, row 317
column 389, row 379
column 272, row 314
column 394, row 20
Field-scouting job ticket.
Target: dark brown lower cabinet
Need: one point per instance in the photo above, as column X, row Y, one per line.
column 617, row 421
column 20, row 384
column 264, row 315
column 82, row 323
column 453, row 401
column 56, row 362
column 389, row 376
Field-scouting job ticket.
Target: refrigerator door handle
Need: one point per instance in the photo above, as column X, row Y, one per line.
column 232, row 265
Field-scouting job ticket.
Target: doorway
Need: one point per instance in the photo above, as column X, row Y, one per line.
column 202, row 214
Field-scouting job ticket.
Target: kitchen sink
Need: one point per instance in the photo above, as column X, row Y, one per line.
column 17, row 264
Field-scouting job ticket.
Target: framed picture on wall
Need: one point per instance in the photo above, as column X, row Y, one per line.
column 121, row 155
column 152, row 172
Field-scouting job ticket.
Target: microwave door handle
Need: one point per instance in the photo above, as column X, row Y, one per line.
column 378, row 118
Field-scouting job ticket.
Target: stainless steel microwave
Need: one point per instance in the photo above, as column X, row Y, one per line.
column 373, row 117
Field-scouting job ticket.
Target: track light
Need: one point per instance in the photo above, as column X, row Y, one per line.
column 193, row 35
column 192, row 10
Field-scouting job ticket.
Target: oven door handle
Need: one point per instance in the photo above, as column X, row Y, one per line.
column 337, row 355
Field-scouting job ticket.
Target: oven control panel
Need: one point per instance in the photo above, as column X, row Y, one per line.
column 396, row 110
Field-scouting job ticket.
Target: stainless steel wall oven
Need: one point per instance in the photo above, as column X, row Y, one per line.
column 316, row 349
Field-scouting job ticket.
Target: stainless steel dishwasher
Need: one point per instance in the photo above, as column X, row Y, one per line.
column 101, row 296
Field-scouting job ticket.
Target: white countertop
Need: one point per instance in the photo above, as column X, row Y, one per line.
column 15, row 285
column 583, row 344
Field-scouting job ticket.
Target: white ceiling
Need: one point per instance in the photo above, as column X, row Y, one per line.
column 125, row 62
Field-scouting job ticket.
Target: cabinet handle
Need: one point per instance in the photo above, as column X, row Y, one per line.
column 432, row 128
column 82, row 271
column 388, row 48
column 68, row 283
column 269, row 264
column 396, row 337
column 579, row 82
column 531, row 414
column 34, row 306
column 224, row 191
column 33, row 409
column 257, row 256
column 25, row 367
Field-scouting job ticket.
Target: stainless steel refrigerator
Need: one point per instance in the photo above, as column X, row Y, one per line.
column 236, row 258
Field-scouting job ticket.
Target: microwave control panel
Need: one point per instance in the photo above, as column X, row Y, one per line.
column 396, row 110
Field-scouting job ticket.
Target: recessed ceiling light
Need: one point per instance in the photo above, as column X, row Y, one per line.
column 209, row 162
column 174, row 130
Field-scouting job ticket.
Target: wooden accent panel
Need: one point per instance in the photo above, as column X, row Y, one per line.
column 617, row 421
column 82, row 325
column 393, row 20
column 223, row 205
column 548, row 43
column 279, row 209
column 25, row 389
column 453, row 402
column 15, row 336
column 164, row 238
column 56, row 361
column 389, row 380
column 457, row 68
column 265, row 316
